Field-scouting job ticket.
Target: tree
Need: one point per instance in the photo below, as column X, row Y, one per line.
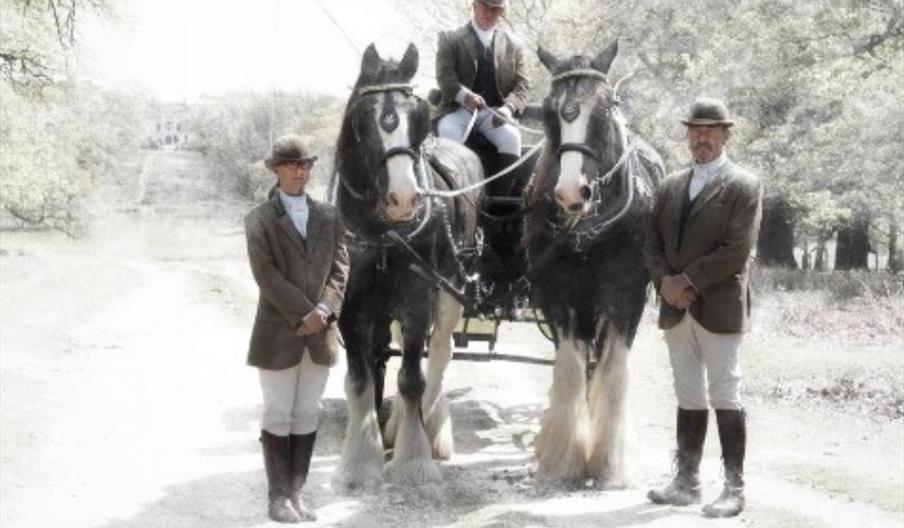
column 37, row 39
column 815, row 87
column 235, row 132
column 775, row 246
column 58, row 137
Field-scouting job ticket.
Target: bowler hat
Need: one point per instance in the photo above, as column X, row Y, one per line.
column 289, row 148
column 494, row 3
column 708, row 112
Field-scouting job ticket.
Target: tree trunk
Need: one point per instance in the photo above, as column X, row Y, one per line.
column 895, row 256
column 775, row 246
column 805, row 256
column 819, row 264
column 853, row 248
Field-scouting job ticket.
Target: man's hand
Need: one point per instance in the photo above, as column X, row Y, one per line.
column 316, row 321
column 474, row 102
column 674, row 291
column 504, row 110
column 688, row 296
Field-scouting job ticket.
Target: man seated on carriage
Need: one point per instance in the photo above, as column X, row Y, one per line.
column 480, row 68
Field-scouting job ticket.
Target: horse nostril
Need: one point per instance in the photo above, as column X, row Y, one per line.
column 560, row 197
column 394, row 199
column 586, row 193
column 576, row 207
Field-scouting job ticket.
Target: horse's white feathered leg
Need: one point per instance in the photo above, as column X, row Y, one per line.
column 392, row 424
column 411, row 461
column 608, row 397
column 561, row 443
column 437, row 418
column 361, row 465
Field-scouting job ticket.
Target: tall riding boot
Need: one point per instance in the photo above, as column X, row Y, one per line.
column 733, row 435
column 507, row 185
column 685, row 486
column 276, row 462
column 301, row 447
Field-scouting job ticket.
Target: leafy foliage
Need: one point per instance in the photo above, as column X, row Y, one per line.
column 235, row 132
column 56, row 151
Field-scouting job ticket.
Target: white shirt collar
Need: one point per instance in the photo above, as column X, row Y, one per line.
column 706, row 170
column 294, row 203
column 703, row 173
column 486, row 37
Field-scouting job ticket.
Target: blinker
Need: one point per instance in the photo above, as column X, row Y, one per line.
column 389, row 121
column 570, row 111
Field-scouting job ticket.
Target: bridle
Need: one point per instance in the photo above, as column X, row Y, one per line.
column 591, row 229
column 389, row 122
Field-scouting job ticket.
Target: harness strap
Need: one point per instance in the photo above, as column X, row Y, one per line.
column 478, row 185
column 577, row 147
column 396, row 151
column 389, row 87
column 580, row 72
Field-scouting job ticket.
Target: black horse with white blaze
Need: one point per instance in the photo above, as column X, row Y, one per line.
column 586, row 206
column 402, row 240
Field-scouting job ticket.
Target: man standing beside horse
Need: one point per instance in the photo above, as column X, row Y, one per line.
column 704, row 225
column 298, row 256
column 480, row 68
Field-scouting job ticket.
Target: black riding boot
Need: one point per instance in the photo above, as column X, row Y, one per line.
column 733, row 436
column 685, row 487
column 276, row 462
column 507, row 185
column 301, row 447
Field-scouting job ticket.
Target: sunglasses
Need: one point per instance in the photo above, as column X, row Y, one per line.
column 299, row 164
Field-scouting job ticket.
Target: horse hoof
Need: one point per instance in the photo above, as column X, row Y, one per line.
column 347, row 481
column 413, row 472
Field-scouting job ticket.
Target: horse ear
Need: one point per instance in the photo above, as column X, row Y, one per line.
column 370, row 61
column 603, row 61
column 551, row 63
column 408, row 66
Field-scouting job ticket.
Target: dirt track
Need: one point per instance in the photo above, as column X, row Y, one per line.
column 126, row 402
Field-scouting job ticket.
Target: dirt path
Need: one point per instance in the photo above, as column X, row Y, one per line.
column 126, row 403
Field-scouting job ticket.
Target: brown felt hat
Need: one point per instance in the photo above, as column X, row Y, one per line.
column 708, row 112
column 494, row 3
column 289, row 148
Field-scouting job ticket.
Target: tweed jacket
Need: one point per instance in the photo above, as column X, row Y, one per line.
column 456, row 66
column 294, row 275
column 714, row 249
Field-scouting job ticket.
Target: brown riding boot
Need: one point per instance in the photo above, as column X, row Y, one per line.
column 301, row 448
column 276, row 462
column 733, row 436
column 685, row 487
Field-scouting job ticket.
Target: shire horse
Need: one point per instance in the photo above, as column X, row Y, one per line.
column 394, row 223
column 586, row 206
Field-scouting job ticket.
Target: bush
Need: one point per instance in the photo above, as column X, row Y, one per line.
column 55, row 152
column 840, row 285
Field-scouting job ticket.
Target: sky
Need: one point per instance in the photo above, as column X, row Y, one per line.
column 181, row 49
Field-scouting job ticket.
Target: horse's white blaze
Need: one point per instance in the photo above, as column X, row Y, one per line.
column 571, row 173
column 361, row 464
column 434, row 404
column 608, row 402
column 562, row 441
column 402, row 187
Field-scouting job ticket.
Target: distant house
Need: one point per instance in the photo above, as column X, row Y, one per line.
column 168, row 126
